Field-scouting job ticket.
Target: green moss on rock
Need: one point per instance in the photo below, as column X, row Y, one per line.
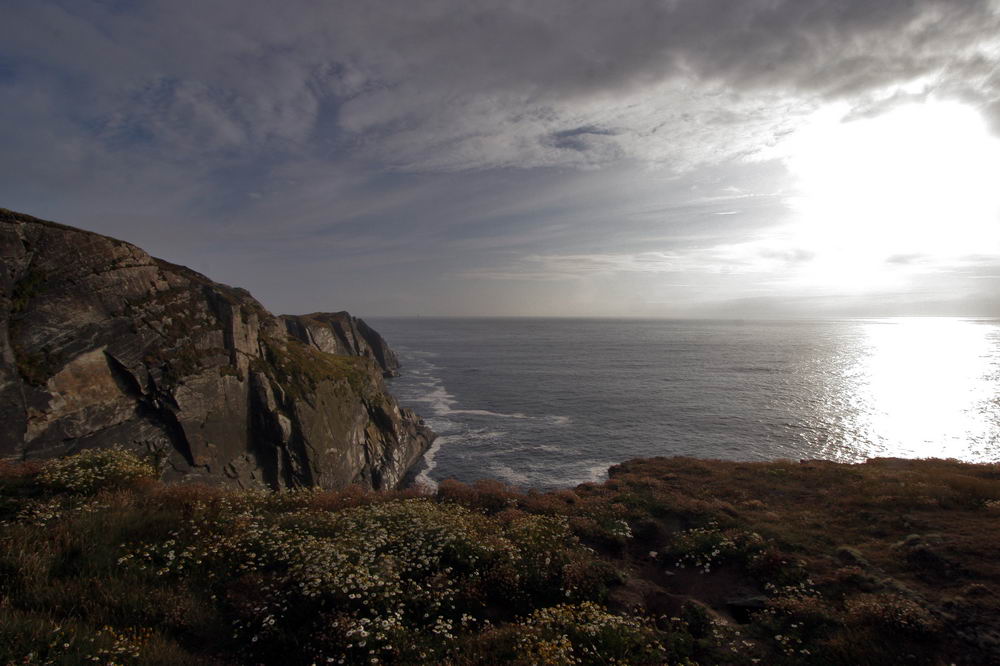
column 302, row 368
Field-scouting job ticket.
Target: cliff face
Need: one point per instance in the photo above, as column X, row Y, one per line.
column 102, row 345
column 340, row 333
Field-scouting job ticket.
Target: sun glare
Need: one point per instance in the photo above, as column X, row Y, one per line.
column 913, row 189
column 939, row 406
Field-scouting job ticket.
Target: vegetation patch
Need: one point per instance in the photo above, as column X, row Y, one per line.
column 670, row 562
column 95, row 469
column 302, row 368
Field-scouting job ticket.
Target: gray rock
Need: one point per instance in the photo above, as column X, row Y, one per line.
column 340, row 333
column 102, row 345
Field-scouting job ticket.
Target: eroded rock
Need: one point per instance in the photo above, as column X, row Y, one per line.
column 102, row 344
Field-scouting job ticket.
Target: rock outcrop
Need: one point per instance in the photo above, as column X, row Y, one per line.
column 104, row 345
column 340, row 333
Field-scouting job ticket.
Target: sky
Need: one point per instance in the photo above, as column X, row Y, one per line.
column 641, row 158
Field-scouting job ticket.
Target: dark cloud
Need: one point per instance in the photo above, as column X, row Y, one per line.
column 578, row 138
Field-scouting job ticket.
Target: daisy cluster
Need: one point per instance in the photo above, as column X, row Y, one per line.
column 93, row 470
column 705, row 548
column 586, row 633
column 45, row 511
column 363, row 583
column 890, row 611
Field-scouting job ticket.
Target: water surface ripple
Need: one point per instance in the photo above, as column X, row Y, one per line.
column 554, row 402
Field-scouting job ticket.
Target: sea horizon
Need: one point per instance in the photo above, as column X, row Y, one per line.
column 679, row 318
column 560, row 401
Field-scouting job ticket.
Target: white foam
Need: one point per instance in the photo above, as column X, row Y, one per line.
column 439, row 399
column 559, row 420
column 424, row 478
column 598, row 472
column 509, row 474
column 486, row 412
column 591, row 474
column 442, row 403
column 442, row 425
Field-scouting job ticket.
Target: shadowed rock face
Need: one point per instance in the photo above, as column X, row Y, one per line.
column 103, row 345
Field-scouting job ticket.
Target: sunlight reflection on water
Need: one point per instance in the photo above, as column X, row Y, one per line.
column 926, row 388
column 549, row 403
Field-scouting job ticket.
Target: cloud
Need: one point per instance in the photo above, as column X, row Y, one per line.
column 753, row 257
column 905, row 259
column 581, row 139
column 333, row 139
column 449, row 85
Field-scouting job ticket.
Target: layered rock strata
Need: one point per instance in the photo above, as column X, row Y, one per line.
column 103, row 345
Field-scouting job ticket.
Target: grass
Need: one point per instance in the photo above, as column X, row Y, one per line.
column 674, row 561
column 302, row 368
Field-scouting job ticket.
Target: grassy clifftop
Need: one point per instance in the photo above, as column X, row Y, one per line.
column 671, row 561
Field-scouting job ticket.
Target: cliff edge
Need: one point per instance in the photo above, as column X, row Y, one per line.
column 340, row 333
column 103, row 345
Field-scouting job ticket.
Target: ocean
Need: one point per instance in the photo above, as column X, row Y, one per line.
column 548, row 403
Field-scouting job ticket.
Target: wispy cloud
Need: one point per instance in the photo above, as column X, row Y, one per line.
column 730, row 259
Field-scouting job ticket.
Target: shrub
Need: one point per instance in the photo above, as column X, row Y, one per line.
column 585, row 633
column 95, row 469
column 705, row 548
column 891, row 612
column 367, row 582
column 794, row 621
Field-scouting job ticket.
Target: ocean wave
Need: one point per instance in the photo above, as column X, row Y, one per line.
column 486, row 412
column 509, row 474
column 573, row 475
column 442, row 403
column 438, row 398
column 430, row 462
column 600, row 472
column 487, row 434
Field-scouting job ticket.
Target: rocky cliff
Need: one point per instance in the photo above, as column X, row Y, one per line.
column 340, row 333
column 103, row 345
